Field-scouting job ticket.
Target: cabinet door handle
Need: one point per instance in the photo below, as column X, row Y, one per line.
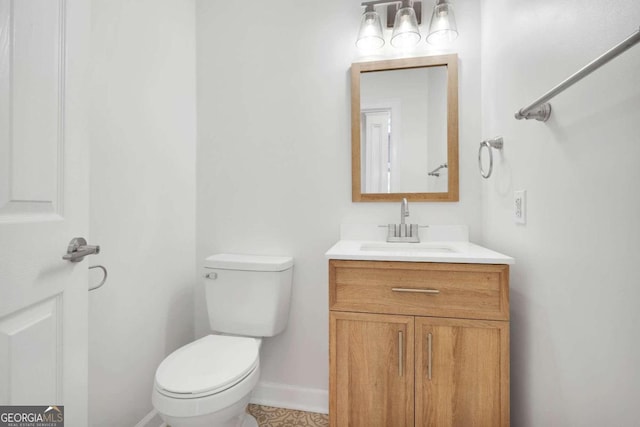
column 400, row 353
column 429, row 353
column 416, row 291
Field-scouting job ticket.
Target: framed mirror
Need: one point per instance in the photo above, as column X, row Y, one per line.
column 404, row 129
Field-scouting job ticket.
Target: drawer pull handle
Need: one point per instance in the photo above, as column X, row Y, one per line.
column 417, row 291
column 400, row 353
column 429, row 353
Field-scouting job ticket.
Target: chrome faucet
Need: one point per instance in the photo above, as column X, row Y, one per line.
column 403, row 232
column 404, row 210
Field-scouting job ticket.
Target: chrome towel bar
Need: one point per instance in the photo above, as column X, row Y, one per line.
column 540, row 109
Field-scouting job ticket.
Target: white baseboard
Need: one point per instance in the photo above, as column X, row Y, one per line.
column 270, row 394
column 291, row 397
column 152, row 419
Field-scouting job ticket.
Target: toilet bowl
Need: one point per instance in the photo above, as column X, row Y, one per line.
column 208, row 383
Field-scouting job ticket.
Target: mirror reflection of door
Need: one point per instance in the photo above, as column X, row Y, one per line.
column 400, row 161
column 376, row 150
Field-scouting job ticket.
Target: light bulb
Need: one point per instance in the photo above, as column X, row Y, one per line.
column 442, row 28
column 405, row 29
column 370, row 34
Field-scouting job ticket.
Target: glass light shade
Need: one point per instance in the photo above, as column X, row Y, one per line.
column 370, row 34
column 442, row 28
column 405, row 29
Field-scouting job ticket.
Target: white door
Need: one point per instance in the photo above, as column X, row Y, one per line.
column 43, row 204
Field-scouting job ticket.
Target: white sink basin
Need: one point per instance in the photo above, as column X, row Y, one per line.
column 406, row 247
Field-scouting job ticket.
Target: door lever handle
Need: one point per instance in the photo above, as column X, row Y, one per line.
column 78, row 249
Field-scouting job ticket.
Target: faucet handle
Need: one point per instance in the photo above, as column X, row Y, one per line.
column 403, row 233
column 387, row 225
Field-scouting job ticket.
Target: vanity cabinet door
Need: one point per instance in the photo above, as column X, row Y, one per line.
column 462, row 373
column 372, row 370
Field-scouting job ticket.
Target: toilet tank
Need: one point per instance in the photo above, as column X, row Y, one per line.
column 248, row 294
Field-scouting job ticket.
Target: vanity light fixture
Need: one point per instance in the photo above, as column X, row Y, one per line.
column 401, row 14
column 442, row 27
column 405, row 17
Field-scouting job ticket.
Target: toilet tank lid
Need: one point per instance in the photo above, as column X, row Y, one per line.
column 249, row 262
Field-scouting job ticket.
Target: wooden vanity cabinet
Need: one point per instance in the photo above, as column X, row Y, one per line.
column 418, row 344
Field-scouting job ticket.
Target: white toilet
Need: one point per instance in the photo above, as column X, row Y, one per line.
column 209, row 381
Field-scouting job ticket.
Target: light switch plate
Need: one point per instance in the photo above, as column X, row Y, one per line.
column 520, row 207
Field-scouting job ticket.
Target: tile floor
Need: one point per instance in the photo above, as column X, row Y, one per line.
column 268, row 416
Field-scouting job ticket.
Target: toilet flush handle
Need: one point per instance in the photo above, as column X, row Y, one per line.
column 211, row 276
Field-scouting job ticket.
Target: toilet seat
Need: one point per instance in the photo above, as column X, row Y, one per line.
column 212, row 404
column 207, row 366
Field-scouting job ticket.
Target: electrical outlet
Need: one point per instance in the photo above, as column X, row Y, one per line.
column 520, row 207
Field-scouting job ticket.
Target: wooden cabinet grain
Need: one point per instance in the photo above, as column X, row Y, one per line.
column 374, row 363
column 410, row 346
column 462, row 372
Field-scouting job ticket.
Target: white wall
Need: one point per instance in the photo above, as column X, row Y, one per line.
column 142, row 198
column 574, row 289
column 274, row 173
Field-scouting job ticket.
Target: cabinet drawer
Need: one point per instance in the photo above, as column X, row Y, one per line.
column 471, row 291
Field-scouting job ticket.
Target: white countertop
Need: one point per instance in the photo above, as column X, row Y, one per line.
column 438, row 244
column 444, row 251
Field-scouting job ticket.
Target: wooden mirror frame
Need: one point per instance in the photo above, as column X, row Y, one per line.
column 451, row 62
